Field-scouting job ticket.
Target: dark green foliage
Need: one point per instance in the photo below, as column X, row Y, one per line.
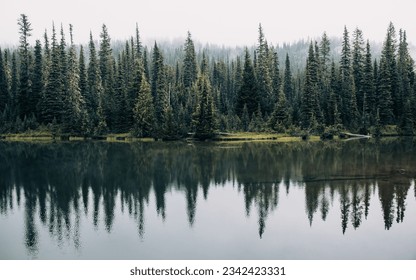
column 106, row 62
column 384, row 92
column 38, row 79
column 279, row 119
column 52, row 101
column 276, row 82
column 144, row 111
column 245, row 118
column 287, row 81
column 310, row 106
column 189, row 63
column 94, row 94
column 257, row 122
column 369, row 101
column 247, row 95
column 159, row 91
column 4, row 88
column 264, row 76
column 187, row 91
column 75, row 115
column 358, row 60
column 14, row 87
column 25, row 58
column 406, row 124
column 205, row 125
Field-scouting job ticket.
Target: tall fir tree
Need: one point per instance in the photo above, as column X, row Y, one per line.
column 388, row 99
column 349, row 109
column 190, row 69
column 159, row 91
column 405, row 69
column 264, row 77
column 14, row 88
column 247, row 95
column 25, row 59
column 205, row 124
column 4, row 89
column 144, row 111
column 358, row 60
column 309, row 97
column 52, row 101
column 279, row 120
column 47, row 59
column 75, row 116
column 37, row 79
column 276, row 80
column 369, row 102
column 94, row 95
column 106, row 61
column 287, row 81
column 325, row 73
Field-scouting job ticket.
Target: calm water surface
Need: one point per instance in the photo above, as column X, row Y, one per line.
column 93, row 200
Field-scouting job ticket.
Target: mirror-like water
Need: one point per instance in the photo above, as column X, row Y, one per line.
column 93, row 200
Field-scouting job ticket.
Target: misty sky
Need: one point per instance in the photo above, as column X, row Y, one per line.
column 223, row 22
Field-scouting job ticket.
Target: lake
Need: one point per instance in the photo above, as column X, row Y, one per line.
column 99, row 200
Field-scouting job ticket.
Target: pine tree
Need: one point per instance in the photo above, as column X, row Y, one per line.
column 146, row 65
column 75, row 117
column 159, row 91
column 287, row 81
column 384, row 91
column 189, row 63
column 279, row 119
column 4, row 88
column 248, row 94
column 14, row 88
column 406, row 124
column 83, row 84
column 405, row 69
column 47, row 59
column 276, row 81
column 245, row 118
column 358, row 65
column 349, row 109
column 94, row 95
column 257, row 121
column 63, row 60
column 122, row 120
column 25, row 58
column 369, row 101
column 205, row 125
column 106, row 62
column 144, row 112
column 325, row 49
column 138, row 46
column 345, row 75
column 38, row 79
column 310, row 108
column 52, row 100
column 325, row 74
column 263, row 71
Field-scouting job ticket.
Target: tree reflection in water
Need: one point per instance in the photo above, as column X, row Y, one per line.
column 57, row 183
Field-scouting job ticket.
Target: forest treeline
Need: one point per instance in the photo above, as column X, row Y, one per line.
column 65, row 88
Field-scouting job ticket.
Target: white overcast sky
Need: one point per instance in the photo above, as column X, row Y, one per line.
column 221, row 22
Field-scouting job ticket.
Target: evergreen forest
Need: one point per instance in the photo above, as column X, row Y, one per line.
column 166, row 92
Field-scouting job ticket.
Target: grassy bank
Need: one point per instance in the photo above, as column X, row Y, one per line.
column 32, row 136
column 47, row 135
column 259, row 136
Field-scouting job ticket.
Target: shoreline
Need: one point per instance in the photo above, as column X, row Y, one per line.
column 127, row 138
